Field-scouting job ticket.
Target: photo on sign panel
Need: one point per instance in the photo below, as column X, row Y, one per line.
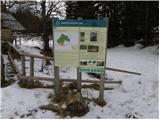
column 83, row 47
column 83, row 62
column 82, row 34
column 93, row 36
column 91, row 62
column 93, row 48
column 82, row 39
column 100, row 63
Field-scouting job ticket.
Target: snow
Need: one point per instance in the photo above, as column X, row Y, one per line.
column 136, row 97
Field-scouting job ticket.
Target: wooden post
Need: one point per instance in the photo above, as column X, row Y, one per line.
column 102, row 77
column 2, row 70
column 101, row 91
column 16, row 42
column 31, row 66
column 78, row 80
column 56, row 72
column 57, row 81
column 20, row 39
column 23, row 65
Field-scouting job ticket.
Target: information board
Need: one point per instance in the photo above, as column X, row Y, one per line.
column 80, row 43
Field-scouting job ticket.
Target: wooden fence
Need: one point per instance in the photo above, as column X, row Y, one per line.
column 23, row 75
column 23, row 55
column 56, row 79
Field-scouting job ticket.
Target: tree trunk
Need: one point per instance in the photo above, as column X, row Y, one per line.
column 146, row 25
column 44, row 24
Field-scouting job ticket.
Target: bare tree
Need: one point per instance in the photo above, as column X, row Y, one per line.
column 146, row 25
column 48, row 8
column 44, row 9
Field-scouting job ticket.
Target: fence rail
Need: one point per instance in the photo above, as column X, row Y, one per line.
column 67, row 80
column 22, row 75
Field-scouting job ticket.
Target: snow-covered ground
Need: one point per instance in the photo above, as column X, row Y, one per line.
column 136, row 97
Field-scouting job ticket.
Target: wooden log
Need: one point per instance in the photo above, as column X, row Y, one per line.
column 32, row 66
column 124, row 71
column 23, row 65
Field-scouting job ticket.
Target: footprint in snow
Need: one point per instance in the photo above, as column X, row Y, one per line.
column 7, row 95
column 20, row 102
column 37, row 95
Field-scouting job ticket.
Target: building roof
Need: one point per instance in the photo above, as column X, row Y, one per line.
column 7, row 20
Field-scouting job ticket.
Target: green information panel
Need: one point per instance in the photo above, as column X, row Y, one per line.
column 80, row 43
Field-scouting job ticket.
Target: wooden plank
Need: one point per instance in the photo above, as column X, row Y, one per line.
column 13, row 63
column 124, row 71
column 23, row 65
column 37, row 56
column 31, row 66
column 79, row 77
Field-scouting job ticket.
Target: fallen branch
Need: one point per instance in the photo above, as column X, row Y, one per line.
column 124, row 71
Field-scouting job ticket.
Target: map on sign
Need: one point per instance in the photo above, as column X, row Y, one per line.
column 62, row 39
column 65, row 41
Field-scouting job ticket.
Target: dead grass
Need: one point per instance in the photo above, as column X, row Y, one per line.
column 7, row 83
column 91, row 86
column 74, row 102
column 31, row 84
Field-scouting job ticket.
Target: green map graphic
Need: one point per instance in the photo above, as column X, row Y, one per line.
column 61, row 40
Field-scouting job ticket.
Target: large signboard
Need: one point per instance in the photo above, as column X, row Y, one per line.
column 80, row 43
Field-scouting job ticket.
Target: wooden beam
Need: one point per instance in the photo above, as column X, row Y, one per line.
column 124, row 71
